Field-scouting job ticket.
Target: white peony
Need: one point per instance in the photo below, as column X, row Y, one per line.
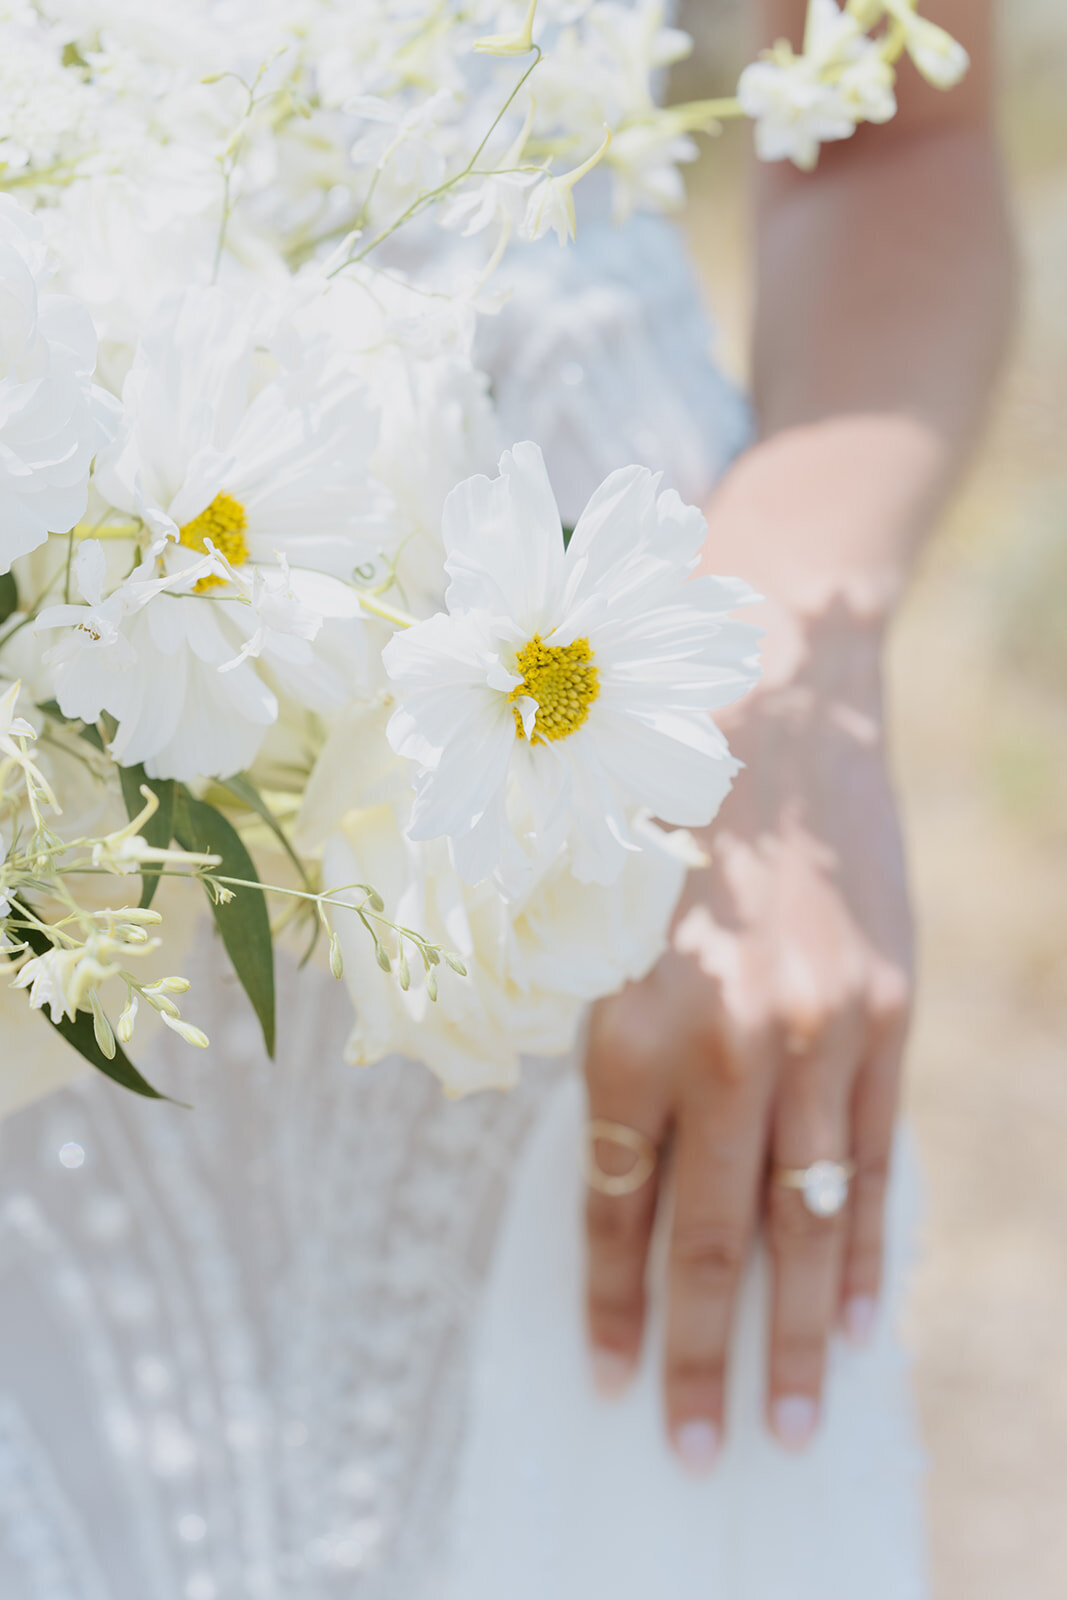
column 51, row 419
column 565, row 692
column 532, row 965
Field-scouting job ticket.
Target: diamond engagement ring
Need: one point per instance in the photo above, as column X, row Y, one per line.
column 823, row 1185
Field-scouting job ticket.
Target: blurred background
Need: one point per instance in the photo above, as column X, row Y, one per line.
column 980, row 687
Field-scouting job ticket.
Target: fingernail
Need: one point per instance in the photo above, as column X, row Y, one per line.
column 697, row 1444
column 793, row 1419
column 859, row 1318
column 611, row 1373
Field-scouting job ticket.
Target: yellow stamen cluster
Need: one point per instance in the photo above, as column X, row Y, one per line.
column 224, row 522
column 563, row 681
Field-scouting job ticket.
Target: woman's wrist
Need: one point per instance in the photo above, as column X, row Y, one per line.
column 833, row 652
column 824, row 520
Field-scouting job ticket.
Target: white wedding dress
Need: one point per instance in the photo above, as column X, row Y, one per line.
column 321, row 1336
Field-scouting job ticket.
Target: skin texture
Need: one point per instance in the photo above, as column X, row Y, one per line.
column 772, row 1031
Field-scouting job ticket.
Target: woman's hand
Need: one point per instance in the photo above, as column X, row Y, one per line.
column 769, row 1035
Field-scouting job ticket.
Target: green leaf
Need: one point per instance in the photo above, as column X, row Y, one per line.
column 9, row 596
column 159, row 829
column 243, row 923
column 80, row 1036
column 243, row 789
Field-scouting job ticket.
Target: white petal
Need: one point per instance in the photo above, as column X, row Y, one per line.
column 504, row 542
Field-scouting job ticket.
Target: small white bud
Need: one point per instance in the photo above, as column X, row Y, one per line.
column 186, row 1031
column 156, row 998
column 102, row 1028
column 124, row 1026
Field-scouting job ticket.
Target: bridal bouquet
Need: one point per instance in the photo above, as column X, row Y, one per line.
column 279, row 612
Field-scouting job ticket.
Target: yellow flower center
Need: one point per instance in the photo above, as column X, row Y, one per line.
column 563, row 681
column 223, row 522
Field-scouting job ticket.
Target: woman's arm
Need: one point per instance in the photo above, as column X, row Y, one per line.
column 772, row 1031
column 883, row 296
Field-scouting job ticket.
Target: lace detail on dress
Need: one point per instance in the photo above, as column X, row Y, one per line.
column 241, row 1332
column 603, row 354
column 45, row 1556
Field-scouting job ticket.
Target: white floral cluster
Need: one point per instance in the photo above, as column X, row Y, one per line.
column 78, row 956
column 254, row 562
column 844, row 75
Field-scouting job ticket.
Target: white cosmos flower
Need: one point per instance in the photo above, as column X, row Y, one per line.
column 213, row 449
column 566, row 691
column 251, row 476
column 51, row 419
column 153, row 654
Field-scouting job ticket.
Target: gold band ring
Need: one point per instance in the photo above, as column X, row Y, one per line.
column 640, row 1146
column 823, row 1185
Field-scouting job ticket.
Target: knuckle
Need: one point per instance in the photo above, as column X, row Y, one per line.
column 731, row 1055
column 806, row 1017
column 615, row 1322
column 615, row 1305
column 614, row 1227
column 713, row 1253
column 708, row 1034
column 793, row 1227
column 696, row 1372
column 871, row 1182
column 803, row 1020
column 622, row 1044
column 864, row 1261
column 799, row 1352
column 803, row 1029
column 890, row 999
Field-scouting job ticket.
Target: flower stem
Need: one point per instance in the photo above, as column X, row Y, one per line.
column 388, row 613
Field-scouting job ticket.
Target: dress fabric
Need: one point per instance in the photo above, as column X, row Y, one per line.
column 320, row 1337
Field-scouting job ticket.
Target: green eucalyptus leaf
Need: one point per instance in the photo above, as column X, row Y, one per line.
column 159, row 829
column 243, row 789
column 9, row 596
column 80, row 1036
column 243, row 922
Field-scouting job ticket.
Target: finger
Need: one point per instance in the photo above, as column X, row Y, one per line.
column 874, row 1105
column 719, row 1154
column 623, row 1087
column 807, row 1250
